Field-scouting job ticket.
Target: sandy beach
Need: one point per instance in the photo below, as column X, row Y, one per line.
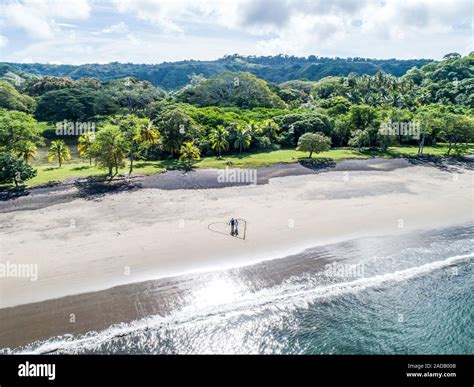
column 87, row 245
column 83, row 246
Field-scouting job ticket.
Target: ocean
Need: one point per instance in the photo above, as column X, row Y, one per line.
column 410, row 293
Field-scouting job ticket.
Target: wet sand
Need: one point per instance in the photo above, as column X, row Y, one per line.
column 96, row 311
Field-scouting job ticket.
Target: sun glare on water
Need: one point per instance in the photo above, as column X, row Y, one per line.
column 218, row 291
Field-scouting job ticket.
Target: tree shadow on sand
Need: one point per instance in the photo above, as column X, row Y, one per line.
column 13, row 193
column 317, row 163
column 94, row 188
column 451, row 164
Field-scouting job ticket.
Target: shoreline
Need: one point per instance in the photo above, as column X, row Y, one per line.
column 129, row 306
column 83, row 246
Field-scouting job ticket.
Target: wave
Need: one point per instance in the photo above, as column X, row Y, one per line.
column 286, row 297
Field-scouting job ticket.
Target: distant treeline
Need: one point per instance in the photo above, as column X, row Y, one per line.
column 173, row 76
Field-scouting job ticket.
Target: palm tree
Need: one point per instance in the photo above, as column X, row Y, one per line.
column 270, row 129
column 189, row 154
column 218, row 138
column 84, row 148
column 255, row 128
column 148, row 132
column 60, row 151
column 243, row 137
column 143, row 135
column 26, row 150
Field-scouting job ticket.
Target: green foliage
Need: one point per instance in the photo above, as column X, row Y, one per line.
column 74, row 104
column 140, row 134
column 12, row 99
column 110, row 149
column 230, row 89
column 242, row 137
column 84, row 147
column 276, row 69
column 176, row 127
column 314, row 143
column 457, row 130
column 219, row 139
column 359, row 138
column 295, row 124
column 16, row 128
column 189, row 153
column 42, row 85
column 14, row 170
column 26, row 150
column 225, row 106
column 132, row 94
column 58, row 150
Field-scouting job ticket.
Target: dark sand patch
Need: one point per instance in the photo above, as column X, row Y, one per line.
column 92, row 189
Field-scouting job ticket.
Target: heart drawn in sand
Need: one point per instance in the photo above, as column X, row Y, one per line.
column 224, row 228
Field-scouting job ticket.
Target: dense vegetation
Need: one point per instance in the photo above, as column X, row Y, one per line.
column 173, row 76
column 228, row 113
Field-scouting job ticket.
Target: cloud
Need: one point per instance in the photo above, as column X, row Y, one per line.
column 3, row 41
column 37, row 17
column 163, row 14
column 165, row 30
column 389, row 19
column 275, row 13
column 118, row 28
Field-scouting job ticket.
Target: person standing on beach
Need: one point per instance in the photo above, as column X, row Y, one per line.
column 236, row 227
column 232, row 225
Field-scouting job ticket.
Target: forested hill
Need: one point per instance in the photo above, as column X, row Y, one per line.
column 173, row 76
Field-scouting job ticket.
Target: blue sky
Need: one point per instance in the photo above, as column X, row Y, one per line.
column 154, row 31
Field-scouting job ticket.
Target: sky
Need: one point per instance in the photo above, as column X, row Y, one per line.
column 155, row 31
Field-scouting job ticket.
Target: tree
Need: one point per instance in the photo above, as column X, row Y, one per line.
column 218, row 137
column 189, row 154
column 86, row 141
column 296, row 124
column 452, row 55
column 314, row 143
column 12, row 99
column 270, row 129
column 139, row 133
column 231, row 89
column 14, row 170
column 175, row 127
column 243, row 137
column 74, row 104
column 60, row 151
column 457, row 129
column 342, row 131
column 364, row 118
column 42, row 85
column 430, row 124
column 132, row 93
column 359, row 139
column 26, row 150
column 110, row 149
column 17, row 128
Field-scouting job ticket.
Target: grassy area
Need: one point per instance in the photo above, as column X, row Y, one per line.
column 407, row 151
column 80, row 168
column 252, row 160
column 53, row 173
